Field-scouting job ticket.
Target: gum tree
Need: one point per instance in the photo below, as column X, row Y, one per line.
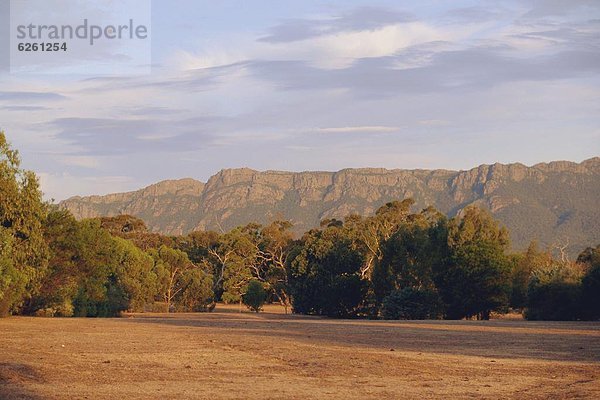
column 23, row 252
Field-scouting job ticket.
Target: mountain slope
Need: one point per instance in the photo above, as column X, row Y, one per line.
column 551, row 202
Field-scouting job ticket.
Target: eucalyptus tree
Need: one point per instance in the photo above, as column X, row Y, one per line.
column 23, row 251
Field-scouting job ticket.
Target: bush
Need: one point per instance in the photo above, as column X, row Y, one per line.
column 110, row 304
column 554, row 301
column 58, row 310
column 590, row 296
column 554, row 292
column 412, row 303
column 324, row 275
column 198, row 294
column 255, row 296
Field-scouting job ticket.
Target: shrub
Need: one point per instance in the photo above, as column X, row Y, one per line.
column 412, row 303
column 197, row 294
column 110, row 303
column 590, row 296
column 59, row 310
column 255, row 296
column 324, row 275
column 554, row 292
column 554, row 301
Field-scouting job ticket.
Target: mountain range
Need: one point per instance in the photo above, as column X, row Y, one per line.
column 554, row 203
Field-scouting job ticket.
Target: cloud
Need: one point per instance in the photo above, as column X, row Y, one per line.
column 474, row 14
column 25, row 108
column 154, row 111
column 550, row 8
column 104, row 136
column 327, row 42
column 79, row 161
column 447, row 71
column 432, row 87
column 358, row 19
column 191, row 76
column 359, row 129
column 581, row 36
column 31, row 96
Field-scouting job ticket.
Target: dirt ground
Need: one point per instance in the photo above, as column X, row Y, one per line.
column 232, row 355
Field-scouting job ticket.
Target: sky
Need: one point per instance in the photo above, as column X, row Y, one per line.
column 318, row 85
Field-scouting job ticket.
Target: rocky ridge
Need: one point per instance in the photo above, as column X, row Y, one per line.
column 551, row 202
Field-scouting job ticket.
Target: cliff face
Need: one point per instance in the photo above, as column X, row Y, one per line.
column 554, row 202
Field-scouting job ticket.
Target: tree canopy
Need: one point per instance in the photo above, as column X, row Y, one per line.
column 396, row 263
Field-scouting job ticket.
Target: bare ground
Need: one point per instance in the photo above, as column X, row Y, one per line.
column 231, row 355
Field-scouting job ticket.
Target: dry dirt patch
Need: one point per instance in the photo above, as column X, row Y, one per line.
column 231, row 355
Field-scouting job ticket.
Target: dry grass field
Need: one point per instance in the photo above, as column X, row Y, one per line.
column 232, row 355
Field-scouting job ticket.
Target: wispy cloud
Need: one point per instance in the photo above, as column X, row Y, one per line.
column 359, row 129
column 473, row 68
column 78, row 161
column 106, row 136
column 359, row 19
column 25, row 108
column 30, row 96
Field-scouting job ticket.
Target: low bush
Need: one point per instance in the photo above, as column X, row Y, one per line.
column 412, row 303
column 255, row 296
column 554, row 301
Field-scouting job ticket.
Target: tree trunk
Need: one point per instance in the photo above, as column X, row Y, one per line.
column 168, row 300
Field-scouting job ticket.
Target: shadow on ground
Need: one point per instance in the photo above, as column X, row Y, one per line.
column 560, row 341
column 13, row 379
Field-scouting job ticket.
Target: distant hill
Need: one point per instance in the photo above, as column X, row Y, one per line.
column 552, row 202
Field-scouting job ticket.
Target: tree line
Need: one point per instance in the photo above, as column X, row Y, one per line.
column 395, row 264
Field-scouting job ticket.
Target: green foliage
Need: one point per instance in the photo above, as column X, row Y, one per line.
column 522, row 269
column 590, row 284
column 476, row 226
column 60, row 284
column 134, row 270
column 23, row 252
column 554, row 291
column 12, row 280
column 275, row 245
column 554, row 301
column 110, row 303
column 90, row 272
column 135, row 230
column 197, row 294
column 590, row 296
column 413, row 303
column 395, row 263
column 56, row 310
column 324, row 274
column 475, row 280
column 241, row 255
column 239, row 245
column 99, row 293
column 169, row 267
column 197, row 244
column 410, row 254
column 182, row 285
column 255, row 295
